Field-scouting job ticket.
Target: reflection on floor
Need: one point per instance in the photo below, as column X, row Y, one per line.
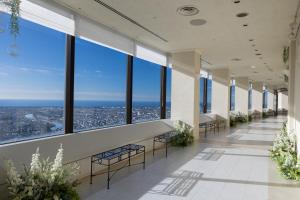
column 233, row 164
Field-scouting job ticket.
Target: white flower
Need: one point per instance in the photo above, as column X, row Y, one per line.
column 13, row 176
column 58, row 159
column 35, row 162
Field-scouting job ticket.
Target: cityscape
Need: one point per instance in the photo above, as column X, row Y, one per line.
column 23, row 121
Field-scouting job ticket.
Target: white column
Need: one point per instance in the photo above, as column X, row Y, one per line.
column 257, row 96
column 282, row 100
column 270, row 99
column 296, row 91
column 185, row 88
column 241, row 95
column 291, row 88
column 220, row 93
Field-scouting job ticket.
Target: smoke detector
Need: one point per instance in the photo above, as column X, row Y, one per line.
column 187, row 10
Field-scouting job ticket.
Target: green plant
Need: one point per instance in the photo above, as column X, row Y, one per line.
column 14, row 6
column 232, row 121
column 43, row 179
column 265, row 115
column 250, row 118
column 285, row 54
column 184, row 136
column 284, row 154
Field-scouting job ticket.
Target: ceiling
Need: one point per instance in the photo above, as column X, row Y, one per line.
column 220, row 40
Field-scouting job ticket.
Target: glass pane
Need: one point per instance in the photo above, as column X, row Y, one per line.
column 146, row 91
column 31, row 81
column 201, row 94
column 232, row 93
column 100, row 84
column 209, row 89
column 168, row 99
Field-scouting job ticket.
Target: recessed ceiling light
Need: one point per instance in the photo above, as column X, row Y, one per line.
column 255, row 50
column 236, row 59
column 253, row 67
column 258, row 54
column 243, row 14
column 188, row 10
column 255, row 72
column 197, row 22
column 253, row 45
column 251, row 40
column 245, row 25
column 236, row 1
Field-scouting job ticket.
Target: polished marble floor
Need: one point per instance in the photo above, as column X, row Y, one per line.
column 231, row 165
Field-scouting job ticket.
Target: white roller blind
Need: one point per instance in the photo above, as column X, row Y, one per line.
column 150, row 55
column 89, row 30
column 45, row 14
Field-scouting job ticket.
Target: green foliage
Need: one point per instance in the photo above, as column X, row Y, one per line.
column 43, row 180
column 184, row 136
column 238, row 118
column 285, row 54
column 284, row 154
column 250, row 118
column 14, row 6
column 265, row 115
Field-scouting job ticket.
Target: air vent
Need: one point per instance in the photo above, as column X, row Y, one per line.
column 129, row 19
column 243, row 14
column 236, row 59
column 188, row 10
column 198, row 22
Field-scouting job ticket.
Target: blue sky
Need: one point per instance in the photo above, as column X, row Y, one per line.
column 38, row 67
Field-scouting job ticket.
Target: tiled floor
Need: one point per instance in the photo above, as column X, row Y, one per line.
column 231, row 165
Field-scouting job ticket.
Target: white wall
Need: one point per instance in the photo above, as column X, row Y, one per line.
column 257, row 96
column 241, row 95
column 270, row 100
column 185, row 88
column 80, row 146
column 283, row 101
column 220, row 93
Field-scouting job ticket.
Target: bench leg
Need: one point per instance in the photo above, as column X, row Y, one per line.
column 144, row 163
column 108, row 174
column 153, row 147
column 166, row 149
column 91, row 174
column 129, row 160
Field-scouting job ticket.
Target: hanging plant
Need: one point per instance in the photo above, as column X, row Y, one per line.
column 285, row 55
column 14, row 6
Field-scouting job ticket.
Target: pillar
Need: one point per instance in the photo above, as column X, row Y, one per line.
column 257, row 96
column 283, row 100
column 185, row 88
column 270, row 99
column 291, row 88
column 221, row 93
column 241, row 95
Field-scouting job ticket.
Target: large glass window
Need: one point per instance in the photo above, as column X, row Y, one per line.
column 168, row 99
column 232, row 95
column 146, row 91
column 265, row 98
column 209, row 93
column 250, row 97
column 100, row 86
column 32, row 69
column 202, row 79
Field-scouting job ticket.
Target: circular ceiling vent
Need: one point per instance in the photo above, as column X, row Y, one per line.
column 198, row 22
column 187, row 10
column 243, row 14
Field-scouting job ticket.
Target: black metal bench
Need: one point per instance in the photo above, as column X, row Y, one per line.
column 164, row 138
column 115, row 156
column 206, row 125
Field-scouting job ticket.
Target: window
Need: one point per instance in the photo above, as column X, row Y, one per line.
column 99, row 86
column 168, row 98
column 265, row 98
column 205, row 92
column 232, row 95
column 146, row 91
column 209, row 89
column 250, row 97
column 32, row 70
column 202, row 79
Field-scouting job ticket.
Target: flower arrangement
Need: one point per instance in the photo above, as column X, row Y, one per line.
column 184, row 136
column 284, row 153
column 238, row 118
column 43, row 179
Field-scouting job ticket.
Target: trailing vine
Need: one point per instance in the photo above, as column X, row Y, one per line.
column 14, row 6
column 285, row 55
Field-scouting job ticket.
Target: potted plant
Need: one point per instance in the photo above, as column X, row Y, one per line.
column 43, row 179
column 184, row 136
